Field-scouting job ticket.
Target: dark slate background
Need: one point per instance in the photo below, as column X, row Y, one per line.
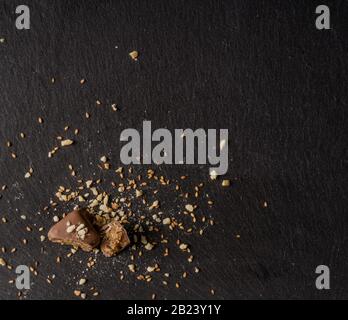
column 259, row 68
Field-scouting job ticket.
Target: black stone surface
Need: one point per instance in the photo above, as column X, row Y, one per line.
column 259, row 68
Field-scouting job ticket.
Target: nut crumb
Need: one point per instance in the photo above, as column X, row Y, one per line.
column 66, row 142
column 226, row 183
column 134, row 55
column 131, row 267
column 2, row 262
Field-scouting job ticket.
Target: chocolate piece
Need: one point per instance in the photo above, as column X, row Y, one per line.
column 76, row 230
column 114, row 239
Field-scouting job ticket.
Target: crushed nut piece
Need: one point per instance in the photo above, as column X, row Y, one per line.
column 2, row 262
column 166, row 221
column 226, row 183
column 66, row 142
column 131, row 267
column 134, row 55
column 114, row 238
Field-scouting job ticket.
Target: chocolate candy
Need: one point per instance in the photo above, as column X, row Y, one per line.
column 114, row 238
column 76, row 230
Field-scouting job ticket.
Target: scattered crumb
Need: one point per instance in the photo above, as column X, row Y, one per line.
column 66, row 142
column 213, row 175
column 2, row 262
column 226, row 183
column 134, row 55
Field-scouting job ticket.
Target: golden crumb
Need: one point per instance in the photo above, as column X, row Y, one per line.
column 226, row 183
column 66, row 142
column 134, row 55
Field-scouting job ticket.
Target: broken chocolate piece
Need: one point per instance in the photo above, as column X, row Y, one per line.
column 76, row 230
column 115, row 238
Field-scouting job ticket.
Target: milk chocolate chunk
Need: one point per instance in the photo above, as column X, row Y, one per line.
column 76, row 230
column 114, row 238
